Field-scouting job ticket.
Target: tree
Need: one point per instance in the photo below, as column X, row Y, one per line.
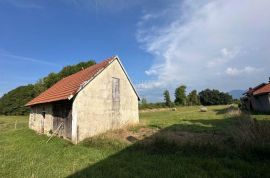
column 180, row 95
column 12, row 103
column 39, row 87
column 143, row 104
column 71, row 69
column 167, row 98
column 51, row 79
column 214, row 97
column 144, row 101
column 193, row 98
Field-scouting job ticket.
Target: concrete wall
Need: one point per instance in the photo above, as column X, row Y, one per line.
column 261, row 103
column 36, row 118
column 93, row 112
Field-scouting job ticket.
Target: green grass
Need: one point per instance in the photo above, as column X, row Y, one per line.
column 23, row 153
column 189, row 117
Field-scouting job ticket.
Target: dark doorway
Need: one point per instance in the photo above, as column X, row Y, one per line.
column 62, row 118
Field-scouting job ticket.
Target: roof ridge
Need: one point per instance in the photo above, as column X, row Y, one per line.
column 89, row 67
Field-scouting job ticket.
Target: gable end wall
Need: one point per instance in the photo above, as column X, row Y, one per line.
column 93, row 106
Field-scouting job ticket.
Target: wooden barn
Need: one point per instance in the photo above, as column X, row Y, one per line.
column 258, row 98
column 89, row 102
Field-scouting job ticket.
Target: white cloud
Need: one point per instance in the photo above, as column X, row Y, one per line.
column 231, row 71
column 194, row 42
column 226, row 56
column 154, row 70
column 149, row 85
column 151, row 72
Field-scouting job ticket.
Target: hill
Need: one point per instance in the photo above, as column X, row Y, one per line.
column 236, row 94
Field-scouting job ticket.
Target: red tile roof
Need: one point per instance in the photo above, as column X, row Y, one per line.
column 251, row 90
column 262, row 90
column 70, row 85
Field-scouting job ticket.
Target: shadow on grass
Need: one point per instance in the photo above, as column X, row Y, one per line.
column 172, row 152
column 258, row 113
column 225, row 110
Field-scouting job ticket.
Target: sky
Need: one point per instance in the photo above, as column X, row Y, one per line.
column 221, row 44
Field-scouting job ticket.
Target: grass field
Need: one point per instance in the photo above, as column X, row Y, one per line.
column 182, row 143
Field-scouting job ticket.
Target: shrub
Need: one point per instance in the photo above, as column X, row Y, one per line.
column 153, row 105
column 252, row 137
column 214, row 97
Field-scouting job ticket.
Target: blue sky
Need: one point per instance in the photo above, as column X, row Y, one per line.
column 38, row 38
column 203, row 44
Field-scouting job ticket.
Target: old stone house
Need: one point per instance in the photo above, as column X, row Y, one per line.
column 257, row 98
column 89, row 102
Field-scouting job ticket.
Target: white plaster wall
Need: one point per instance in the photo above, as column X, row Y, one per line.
column 92, row 107
column 36, row 117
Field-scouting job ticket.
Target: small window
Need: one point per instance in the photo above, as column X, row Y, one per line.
column 43, row 113
column 115, row 93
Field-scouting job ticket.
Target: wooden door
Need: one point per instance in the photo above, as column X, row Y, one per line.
column 68, row 125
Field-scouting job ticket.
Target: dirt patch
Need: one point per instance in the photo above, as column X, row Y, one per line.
column 129, row 136
column 147, row 135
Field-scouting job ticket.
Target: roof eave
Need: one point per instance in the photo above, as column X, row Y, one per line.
column 118, row 59
column 263, row 93
column 29, row 104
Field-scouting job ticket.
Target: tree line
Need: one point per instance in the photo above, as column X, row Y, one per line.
column 12, row 103
column 205, row 97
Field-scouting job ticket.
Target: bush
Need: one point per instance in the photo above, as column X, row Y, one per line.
column 214, row 97
column 153, row 105
column 249, row 131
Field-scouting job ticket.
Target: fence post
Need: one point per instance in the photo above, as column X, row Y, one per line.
column 15, row 125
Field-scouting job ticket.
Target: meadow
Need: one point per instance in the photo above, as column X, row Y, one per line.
column 181, row 143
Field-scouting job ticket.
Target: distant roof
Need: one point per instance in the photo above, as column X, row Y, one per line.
column 67, row 87
column 262, row 90
column 251, row 90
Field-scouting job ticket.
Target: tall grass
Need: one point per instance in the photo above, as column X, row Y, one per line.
column 251, row 137
column 249, row 132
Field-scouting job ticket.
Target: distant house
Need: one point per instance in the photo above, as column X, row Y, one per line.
column 89, row 102
column 257, row 98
